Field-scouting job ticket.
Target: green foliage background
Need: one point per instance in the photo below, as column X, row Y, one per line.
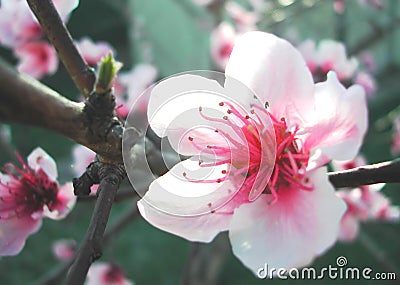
column 174, row 35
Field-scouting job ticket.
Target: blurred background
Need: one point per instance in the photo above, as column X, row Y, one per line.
column 176, row 36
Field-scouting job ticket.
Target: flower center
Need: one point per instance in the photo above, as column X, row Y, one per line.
column 251, row 156
column 27, row 193
column 114, row 275
column 291, row 161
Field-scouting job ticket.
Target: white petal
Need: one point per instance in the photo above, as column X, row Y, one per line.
column 276, row 72
column 290, row 232
column 174, row 194
column 182, row 94
column 39, row 159
column 201, row 228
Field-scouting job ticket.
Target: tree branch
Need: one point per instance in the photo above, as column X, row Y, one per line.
column 47, row 15
column 25, row 100
column 91, row 248
column 384, row 172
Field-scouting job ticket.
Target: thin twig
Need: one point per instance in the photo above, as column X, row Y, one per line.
column 384, row 172
column 56, row 275
column 48, row 17
column 91, row 248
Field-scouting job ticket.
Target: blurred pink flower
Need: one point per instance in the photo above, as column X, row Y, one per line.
column 294, row 216
column 339, row 5
column 20, row 31
column 222, row 41
column 36, row 59
column 367, row 82
column 395, row 149
column 64, row 249
column 101, row 273
column 18, row 25
column 28, row 195
column 92, row 52
column 365, row 203
column 244, row 20
column 330, row 55
column 134, row 83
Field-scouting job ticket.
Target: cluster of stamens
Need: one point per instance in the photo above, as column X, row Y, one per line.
column 27, row 191
column 247, row 157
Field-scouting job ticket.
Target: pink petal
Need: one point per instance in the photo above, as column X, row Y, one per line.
column 39, row 159
column 92, row 52
column 64, row 249
column 276, row 72
column 349, row 228
column 101, row 273
column 136, row 81
column 290, row 232
column 342, row 119
column 17, row 24
column 66, row 200
column 82, row 157
column 36, row 59
column 332, row 56
column 309, row 52
column 14, row 232
column 222, row 40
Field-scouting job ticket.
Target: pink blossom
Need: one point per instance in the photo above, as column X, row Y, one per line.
column 36, row 59
column 28, row 195
column 295, row 216
column 395, row 149
column 92, row 52
column 365, row 203
column 82, row 157
column 101, row 273
column 330, row 55
column 244, row 20
column 338, row 6
column 64, row 249
column 18, row 25
column 134, row 83
column 222, row 41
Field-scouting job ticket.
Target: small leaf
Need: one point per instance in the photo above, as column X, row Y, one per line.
column 108, row 69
